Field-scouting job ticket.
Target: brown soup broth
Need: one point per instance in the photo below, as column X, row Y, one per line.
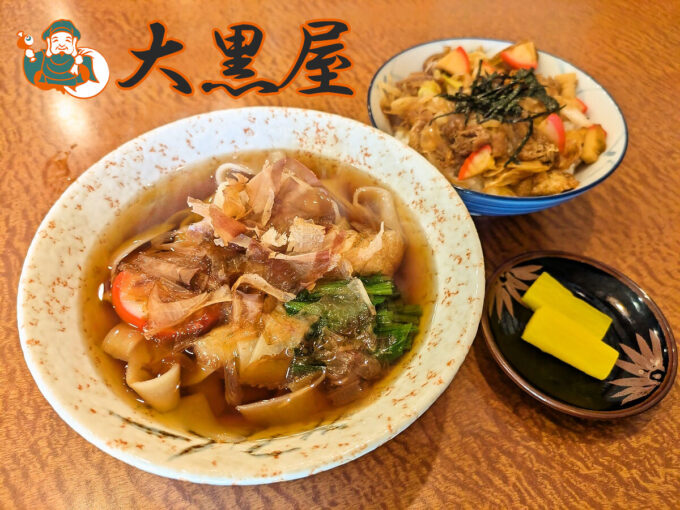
column 415, row 279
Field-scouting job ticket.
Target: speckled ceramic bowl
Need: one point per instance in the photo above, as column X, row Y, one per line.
column 602, row 109
column 49, row 314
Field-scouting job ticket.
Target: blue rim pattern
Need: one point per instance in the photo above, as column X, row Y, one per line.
column 479, row 203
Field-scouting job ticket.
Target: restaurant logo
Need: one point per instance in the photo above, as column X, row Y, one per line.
column 62, row 65
column 320, row 60
column 83, row 72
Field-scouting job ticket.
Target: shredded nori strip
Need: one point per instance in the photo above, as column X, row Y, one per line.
column 497, row 96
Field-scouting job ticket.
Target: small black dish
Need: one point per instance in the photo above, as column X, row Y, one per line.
column 647, row 364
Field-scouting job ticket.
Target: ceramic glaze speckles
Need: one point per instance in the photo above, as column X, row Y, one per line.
column 56, row 350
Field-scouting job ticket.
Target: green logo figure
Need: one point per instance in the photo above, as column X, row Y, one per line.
column 80, row 72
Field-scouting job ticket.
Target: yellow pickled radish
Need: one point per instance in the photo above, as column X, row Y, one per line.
column 570, row 341
column 547, row 291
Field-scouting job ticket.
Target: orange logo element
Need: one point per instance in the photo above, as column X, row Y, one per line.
column 63, row 66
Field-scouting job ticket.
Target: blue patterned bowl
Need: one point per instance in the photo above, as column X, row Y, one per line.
column 601, row 109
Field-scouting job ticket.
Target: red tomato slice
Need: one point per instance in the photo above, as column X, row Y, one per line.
column 129, row 305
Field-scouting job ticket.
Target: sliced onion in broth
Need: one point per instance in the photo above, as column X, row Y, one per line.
column 162, row 392
column 286, row 408
column 121, row 340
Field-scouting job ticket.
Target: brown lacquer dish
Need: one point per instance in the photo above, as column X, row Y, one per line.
column 647, row 363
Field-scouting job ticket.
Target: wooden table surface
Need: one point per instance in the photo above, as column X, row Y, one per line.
column 484, row 443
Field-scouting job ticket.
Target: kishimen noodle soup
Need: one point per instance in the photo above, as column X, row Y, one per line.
column 288, row 290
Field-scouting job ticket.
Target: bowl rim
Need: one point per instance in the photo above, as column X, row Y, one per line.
column 162, row 469
column 542, row 199
column 546, row 399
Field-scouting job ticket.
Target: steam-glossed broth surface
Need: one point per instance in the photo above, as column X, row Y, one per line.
column 414, row 279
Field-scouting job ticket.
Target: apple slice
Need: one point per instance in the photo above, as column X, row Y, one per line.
column 455, row 62
column 521, row 56
column 476, row 163
column 554, row 129
column 581, row 105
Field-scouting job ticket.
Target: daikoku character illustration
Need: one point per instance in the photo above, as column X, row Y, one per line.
column 63, row 66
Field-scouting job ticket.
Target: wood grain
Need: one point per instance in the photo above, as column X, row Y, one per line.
column 483, row 443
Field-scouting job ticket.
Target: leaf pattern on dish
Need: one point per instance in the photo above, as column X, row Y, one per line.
column 645, row 365
column 509, row 284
